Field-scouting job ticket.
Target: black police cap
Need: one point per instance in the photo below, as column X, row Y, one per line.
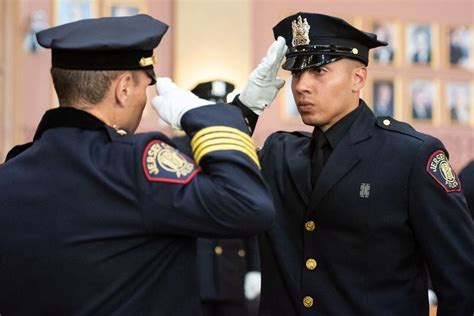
column 216, row 90
column 109, row 43
column 316, row 39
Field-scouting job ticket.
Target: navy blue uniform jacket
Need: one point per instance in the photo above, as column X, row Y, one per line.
column 372, row 224
column 95, row 223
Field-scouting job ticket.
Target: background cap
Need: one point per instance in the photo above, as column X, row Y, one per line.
column 216, row 90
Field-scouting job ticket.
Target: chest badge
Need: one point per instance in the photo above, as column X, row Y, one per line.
column 439, row 168
column 364, row 190
column 164, row 163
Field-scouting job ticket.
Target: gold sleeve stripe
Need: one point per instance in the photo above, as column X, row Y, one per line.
column 214, row 129
column 220, row 138
column 222, row 147
column 217, row 137
column 217, row 142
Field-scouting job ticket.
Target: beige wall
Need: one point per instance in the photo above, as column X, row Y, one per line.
column 212, row 41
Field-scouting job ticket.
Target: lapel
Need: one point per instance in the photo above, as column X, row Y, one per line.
column 299, row 163
column 345, row 156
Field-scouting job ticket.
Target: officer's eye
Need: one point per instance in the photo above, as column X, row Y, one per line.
column 318, row 70
column 296, row 73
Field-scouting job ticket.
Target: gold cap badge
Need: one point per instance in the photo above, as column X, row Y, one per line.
column 300, row 31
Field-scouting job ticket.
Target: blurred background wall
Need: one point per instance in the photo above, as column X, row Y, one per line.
column 225, row 39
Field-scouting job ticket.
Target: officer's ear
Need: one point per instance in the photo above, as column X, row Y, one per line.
column 124, row 87
column 359, row 76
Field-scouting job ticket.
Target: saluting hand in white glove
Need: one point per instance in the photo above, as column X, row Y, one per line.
column 263, row 84
column 172, row 101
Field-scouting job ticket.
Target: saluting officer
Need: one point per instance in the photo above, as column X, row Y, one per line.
column 98, row 221
column 364, row 204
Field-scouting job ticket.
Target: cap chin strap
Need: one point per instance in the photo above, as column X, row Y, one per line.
column 305, row 49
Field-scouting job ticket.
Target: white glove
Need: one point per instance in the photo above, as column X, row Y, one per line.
column 252, row 284
column 172, row 101
column 263, row 84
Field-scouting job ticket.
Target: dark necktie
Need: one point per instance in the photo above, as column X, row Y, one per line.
column 320, row 156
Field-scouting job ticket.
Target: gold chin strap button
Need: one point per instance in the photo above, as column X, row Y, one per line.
column 308, row 301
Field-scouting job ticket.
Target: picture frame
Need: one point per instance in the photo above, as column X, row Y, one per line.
column 124, row 7
column 419, row 44
column 460, row 46
column 459, row 102
column 422, row 97
column 66, row 11
column 387, row 31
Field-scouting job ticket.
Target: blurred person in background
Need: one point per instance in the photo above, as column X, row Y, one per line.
column 228, row 269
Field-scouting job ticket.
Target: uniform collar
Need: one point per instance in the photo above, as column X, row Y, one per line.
column 67, row 117
column 338, row 130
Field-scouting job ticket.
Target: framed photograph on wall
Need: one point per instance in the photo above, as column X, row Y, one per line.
column 386, row 31
column 422, row 97
column 66, row 11
column 419, row 44
column 460, row 50
column 383, row 97
column 459, row 101
column 124, row 7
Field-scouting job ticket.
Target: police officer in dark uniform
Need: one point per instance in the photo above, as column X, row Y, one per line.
column 98, row 221
column 364, row 204
column 467, row 180
column 224, row 266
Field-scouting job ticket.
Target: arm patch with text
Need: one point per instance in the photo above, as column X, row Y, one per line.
column 164, row 163
column 439, row 168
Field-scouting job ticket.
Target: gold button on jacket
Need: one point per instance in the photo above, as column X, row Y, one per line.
column 218, row 250
column 308, row 301
column 311, row 264
column 309, row 225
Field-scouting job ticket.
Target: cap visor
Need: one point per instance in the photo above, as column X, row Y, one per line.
column 301, row 62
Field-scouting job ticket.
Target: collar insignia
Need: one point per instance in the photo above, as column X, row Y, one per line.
column 300, row 31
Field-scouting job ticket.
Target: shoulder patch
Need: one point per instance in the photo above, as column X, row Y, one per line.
column 164, row 163
column 439, row 168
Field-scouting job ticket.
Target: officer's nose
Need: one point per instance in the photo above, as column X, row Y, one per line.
column 301, row 83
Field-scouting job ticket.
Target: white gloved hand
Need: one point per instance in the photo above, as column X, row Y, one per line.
column 252, row 284
column 172, row 101
column 263, row 84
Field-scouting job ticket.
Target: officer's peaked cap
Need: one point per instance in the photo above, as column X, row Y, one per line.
column 316, row 39
column 108, row 43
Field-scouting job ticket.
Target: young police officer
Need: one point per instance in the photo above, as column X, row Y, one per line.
column 364, row 205
column 98, row 221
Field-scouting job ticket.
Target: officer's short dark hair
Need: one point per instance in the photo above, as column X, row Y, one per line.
column 73, row 86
